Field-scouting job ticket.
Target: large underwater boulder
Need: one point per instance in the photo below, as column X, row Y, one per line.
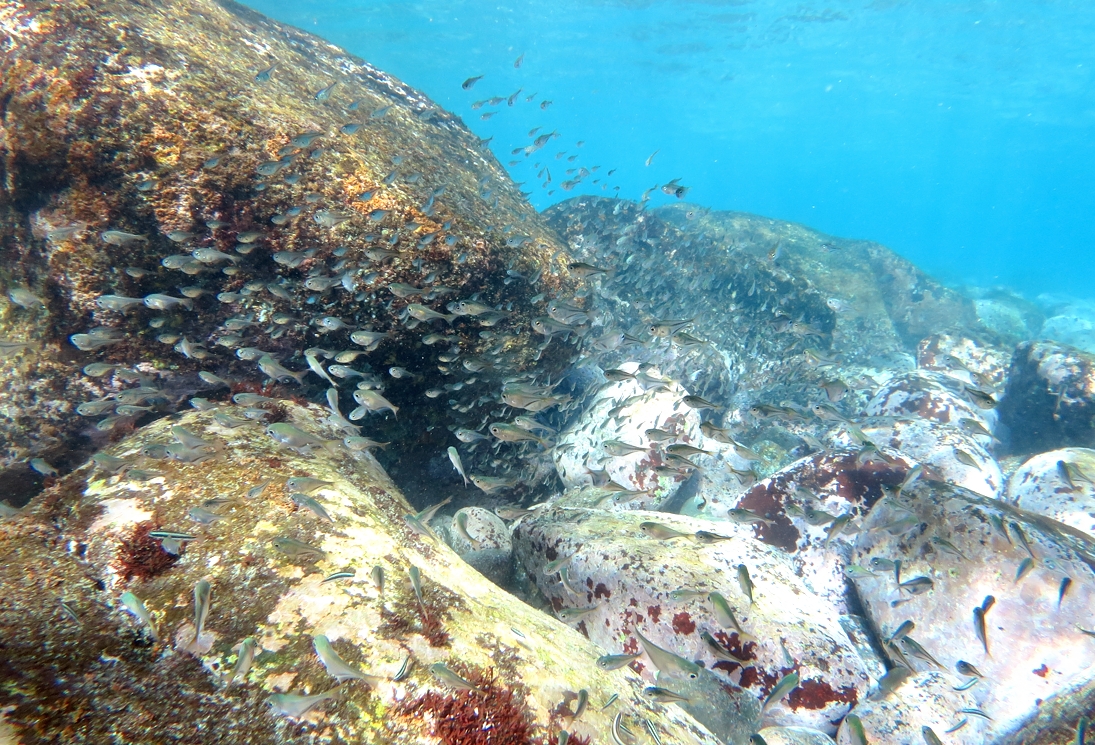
column 623, row 579
column 1050, row 398
column 766, row 296
column 998, row 598
column 260, row 189
column 330, row 554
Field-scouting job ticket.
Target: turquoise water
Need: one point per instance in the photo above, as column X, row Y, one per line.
column 959, row 134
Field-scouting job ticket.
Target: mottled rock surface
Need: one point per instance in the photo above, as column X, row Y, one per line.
column 1057, row 484
column 924, row 700
column 152, row 118
column 756, row 309
column 92, row 680
column 1030, row 576
column 625, row 579
column 1050, row 398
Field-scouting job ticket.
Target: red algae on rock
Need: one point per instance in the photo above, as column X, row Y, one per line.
column 142, row 556
column 494, row 715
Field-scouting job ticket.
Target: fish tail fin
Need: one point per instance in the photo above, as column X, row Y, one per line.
column 334, row 447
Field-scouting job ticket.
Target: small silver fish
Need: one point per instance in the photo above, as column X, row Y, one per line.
column 454, row 456
column 137, row 608
column 574, row 614
column 296, row 706
column 460, row 521
column 312, row 505
column 446, row 676
column 245, row 656
column 785, row 685
column 745, row 582
column 662, row 532
column 337, row 667
column 664, row 695
column 616, row 661
column 203, row 592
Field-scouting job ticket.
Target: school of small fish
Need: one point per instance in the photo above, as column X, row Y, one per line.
column 522, row 410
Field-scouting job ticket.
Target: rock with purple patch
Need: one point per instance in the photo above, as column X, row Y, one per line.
column 953, row 454
column 1050, row 398
column 1005, row 591
column 965, row 360
column 623, row 575
column 929, row 395
column 1059, row 484
column 810, row 510
column 924, row 700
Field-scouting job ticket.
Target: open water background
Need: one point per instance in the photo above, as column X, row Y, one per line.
column 962, row 135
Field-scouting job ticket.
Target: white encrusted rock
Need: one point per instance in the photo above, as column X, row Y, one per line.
column 924, row 700
column 956, row 456
column 960, row 552
column 1055, row 484
column 800, row 504
column 794, row 736
column 626, row 579
column 484, row 528
column 928, row 395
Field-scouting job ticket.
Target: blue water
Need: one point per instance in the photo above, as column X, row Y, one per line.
column 961, row 135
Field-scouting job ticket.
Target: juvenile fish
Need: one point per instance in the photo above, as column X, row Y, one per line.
column 786, row 684
column 979, row 627
column 662, row 532
column 890, row 682
column 455, row 458
column 291, row 437
column 295, row 705
column 135, row 606
column 447, row 677
column 745, row 582
column 856, row 735
column 121, row 238
column 416, row 585
column 296, row 549
column 419, row 527
column 337, row 667
column 616, row 661
column 746, row 517
column 664, row 695
column 724, row 614
column 203, row 593
column 491, row 484
column 313, row 506
column 244, row 657
column 573, row 614
column 667, row 662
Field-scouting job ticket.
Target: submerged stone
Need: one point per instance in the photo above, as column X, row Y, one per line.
column 389, row 602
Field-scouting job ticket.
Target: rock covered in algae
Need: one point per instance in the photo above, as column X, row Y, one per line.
column 755, row 287
column 295, row 543
column 622, row 580
column 1050, row 398
column 995, row 593
column 188, row 181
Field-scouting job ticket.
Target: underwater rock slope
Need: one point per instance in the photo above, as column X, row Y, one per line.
column 188, row 185
column 297, row 571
